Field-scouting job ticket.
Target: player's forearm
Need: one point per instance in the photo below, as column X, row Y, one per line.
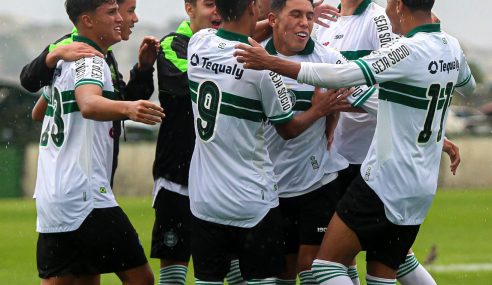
column 36, row 74
column 282, row 66
column 39, row 109
column 98, row 108
column 331, row 76
column 298, row 124
column 141, row 84
column 52, row 58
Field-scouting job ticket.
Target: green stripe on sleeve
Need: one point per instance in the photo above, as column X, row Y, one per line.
column 170, row 54
column 89, row 81
column 364, row 71
column 368, row 70
column 63, row 42
column 281, row 119
column 363, row 98
column 468, row 78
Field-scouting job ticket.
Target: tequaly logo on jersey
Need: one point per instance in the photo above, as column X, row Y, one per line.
column 206, row 63
column 441, row 66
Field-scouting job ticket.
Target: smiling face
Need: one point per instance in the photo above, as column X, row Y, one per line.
column 127, row 12
column 107, row 24
column 292, row 26
column 203, row 15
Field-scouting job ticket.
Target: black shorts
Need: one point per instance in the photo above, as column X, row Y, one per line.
column 105, row 242
column 363, row 212
column 348, row 175
column 306, row 217
column 259, row 249
column 172, row 230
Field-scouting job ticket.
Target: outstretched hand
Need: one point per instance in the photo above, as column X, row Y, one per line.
column 145, row 112
column 147, row 53
column 252, row 57
column 325, row 11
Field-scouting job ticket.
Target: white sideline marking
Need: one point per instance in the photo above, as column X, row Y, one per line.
column 460, row 267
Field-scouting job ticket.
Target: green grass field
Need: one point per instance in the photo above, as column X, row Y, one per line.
column 459, row 224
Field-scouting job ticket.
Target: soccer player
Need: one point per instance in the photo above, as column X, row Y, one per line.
column 233, row 191
column 383, row 209
column 307, row 172
column 82, row 231
column 172, row 229
column 40, row 71
column 362, row 28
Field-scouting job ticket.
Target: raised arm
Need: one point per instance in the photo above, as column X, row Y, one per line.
column 39, row 72
column 141, row 83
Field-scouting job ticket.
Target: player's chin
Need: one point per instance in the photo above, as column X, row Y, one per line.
column 125, row 35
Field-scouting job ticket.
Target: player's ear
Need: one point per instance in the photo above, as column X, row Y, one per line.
column 190, row 10
column 272, row 19
column 86, row 20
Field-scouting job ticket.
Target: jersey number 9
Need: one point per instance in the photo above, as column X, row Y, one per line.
column 208, row 101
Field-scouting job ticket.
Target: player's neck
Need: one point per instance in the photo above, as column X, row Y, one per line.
column 413, row 20
column 349, row 6
column 242, row 27
column 99, row 41
column 280, row 46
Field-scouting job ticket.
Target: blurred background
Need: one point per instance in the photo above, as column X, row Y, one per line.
column 28, row 26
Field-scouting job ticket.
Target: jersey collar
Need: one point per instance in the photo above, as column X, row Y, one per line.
column 228, row 35
column 75, row 32
column 362, row 7
column 185, row 29
column 270, row 48
column 77, row 38
column 427, row 28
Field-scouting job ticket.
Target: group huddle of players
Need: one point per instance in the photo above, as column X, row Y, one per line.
column 285, row 147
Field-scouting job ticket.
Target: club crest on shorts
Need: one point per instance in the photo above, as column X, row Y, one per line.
column 170, row 239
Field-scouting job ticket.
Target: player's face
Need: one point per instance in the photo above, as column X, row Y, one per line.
column 107, row 24
column 127, row 12
column 264, row 6
column 204, row 14
column 392, row 13
column 292, row 26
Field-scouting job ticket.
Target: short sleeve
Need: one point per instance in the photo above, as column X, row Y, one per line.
column 465, row 74
column 275, row 98
column 89, row 70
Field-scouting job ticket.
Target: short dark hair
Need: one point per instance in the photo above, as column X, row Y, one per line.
column 192, row 2
column 231, row 10
column 277, row 5
column 424, row 5
column 75, row 8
